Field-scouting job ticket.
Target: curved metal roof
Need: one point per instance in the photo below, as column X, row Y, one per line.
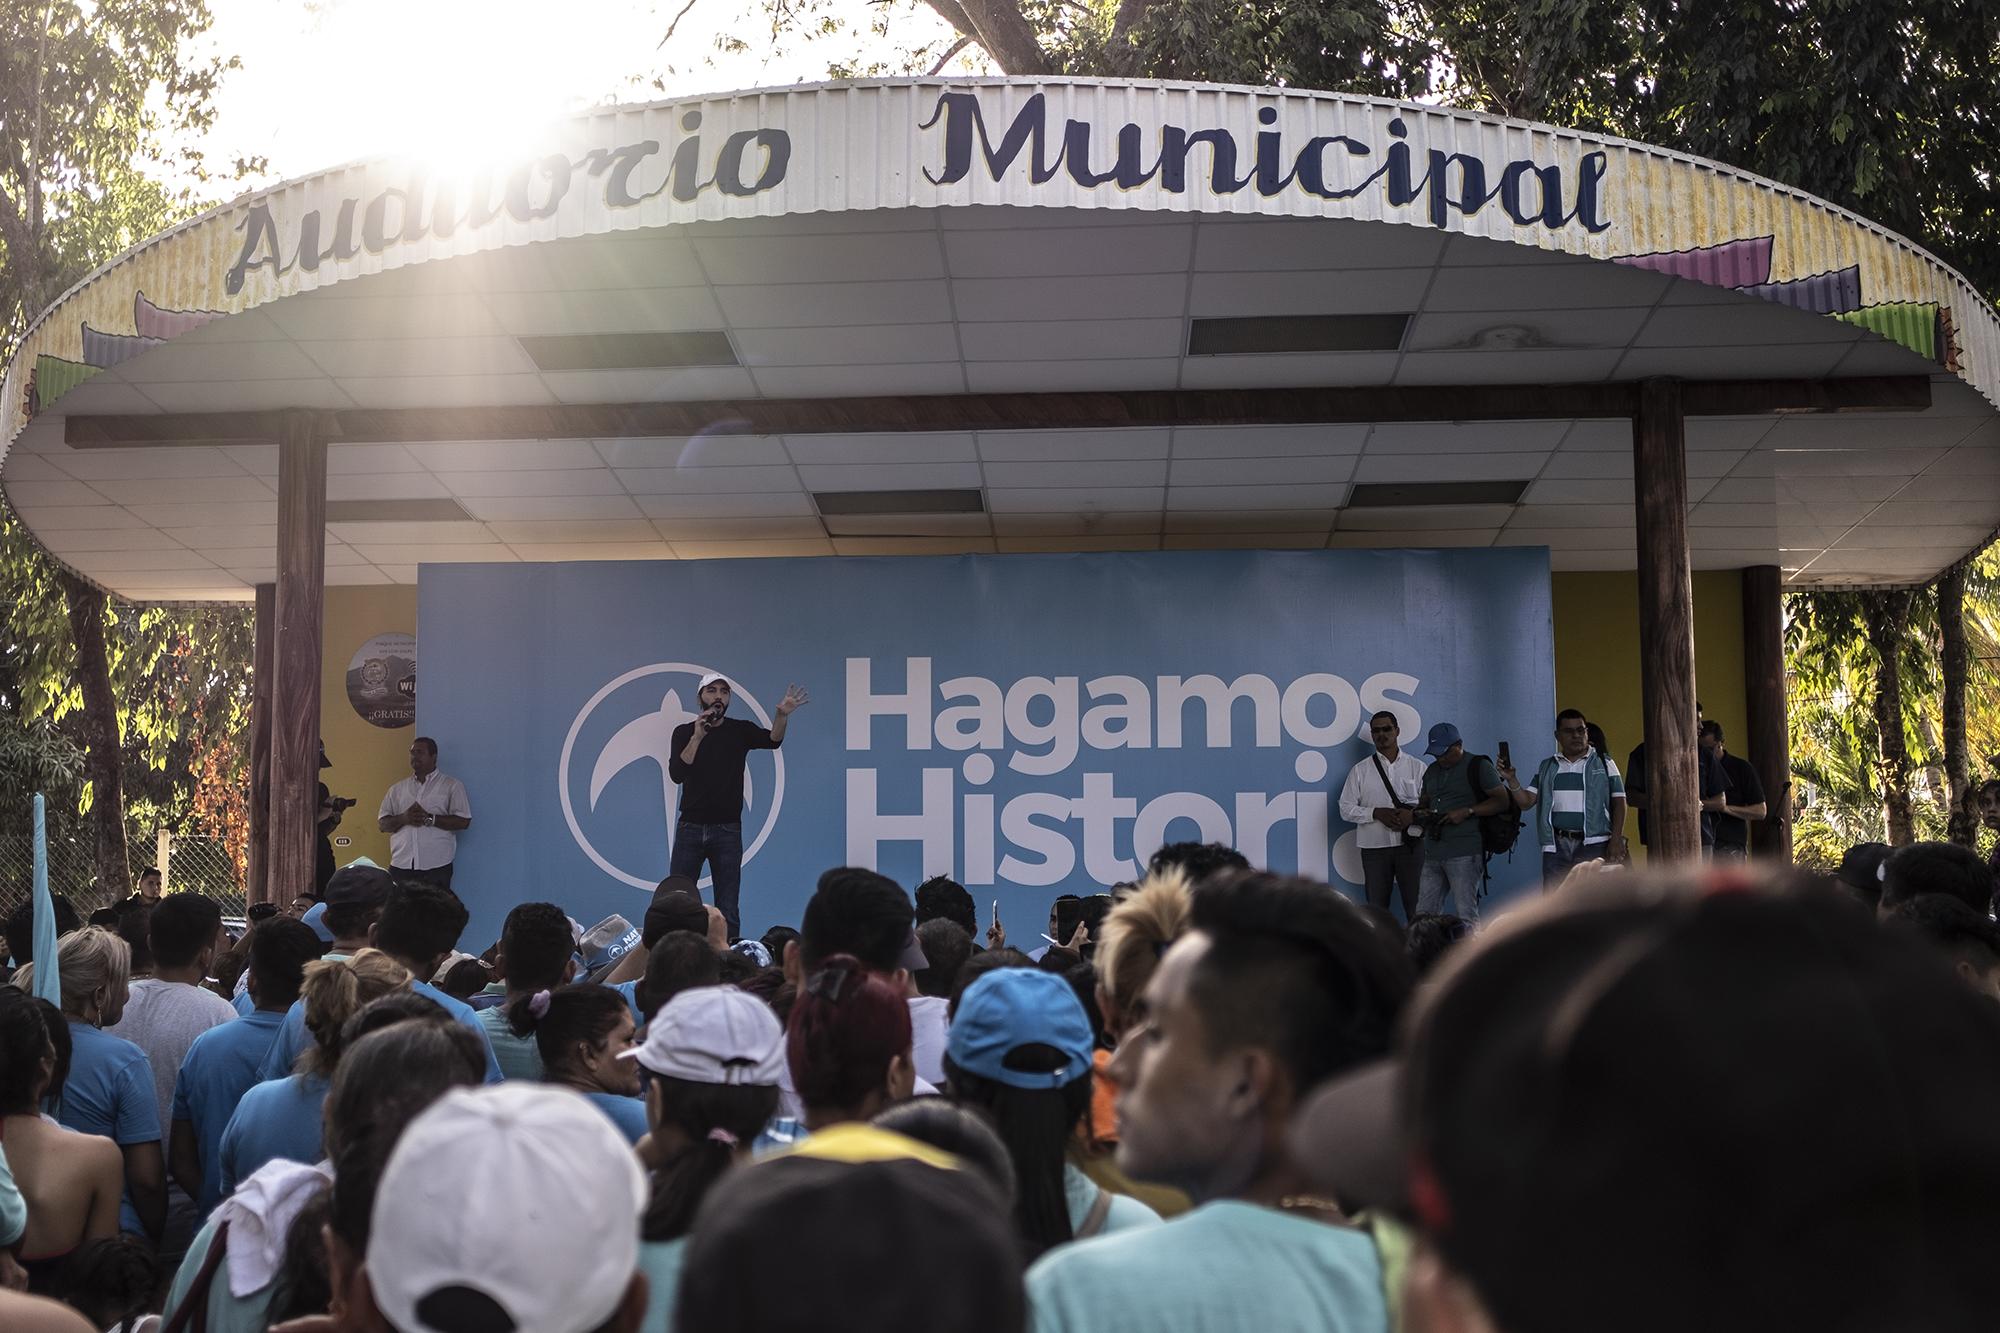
column 776, row 195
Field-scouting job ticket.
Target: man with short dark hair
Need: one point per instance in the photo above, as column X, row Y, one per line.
column 537, row 953
column 169, row 1009
column 423, row 816
column 1197, row 860
column 1380, row 798
column 947, row 947
column 708, row 757
column 1742, row 798
column 1936, row 867
column 858, row 912
column 1457, row 790
column 1279, row 985
column 150, row 883
column 941, row 896
column 1578, row 797
column 1968, row 940
column 222, row 1063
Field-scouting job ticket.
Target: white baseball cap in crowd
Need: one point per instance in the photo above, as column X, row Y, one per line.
column 710, row 679
column 543, row 1197
column 715, row 1034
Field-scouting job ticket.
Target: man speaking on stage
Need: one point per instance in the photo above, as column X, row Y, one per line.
column 707, row 762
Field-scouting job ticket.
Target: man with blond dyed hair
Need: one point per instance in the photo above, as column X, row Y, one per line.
column 1134, row 935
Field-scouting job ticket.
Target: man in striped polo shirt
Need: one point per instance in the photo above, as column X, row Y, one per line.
column 1578, row 798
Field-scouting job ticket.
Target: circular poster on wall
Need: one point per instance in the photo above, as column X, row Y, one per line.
column 382, row 680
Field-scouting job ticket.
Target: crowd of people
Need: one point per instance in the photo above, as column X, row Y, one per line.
column 1727, row 1097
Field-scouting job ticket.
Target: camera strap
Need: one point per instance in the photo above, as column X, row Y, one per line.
column 1387, row 785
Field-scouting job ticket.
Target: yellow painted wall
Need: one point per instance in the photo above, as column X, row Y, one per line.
column 367, row 759
column 1597, row 655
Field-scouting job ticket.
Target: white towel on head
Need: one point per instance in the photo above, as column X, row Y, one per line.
column 260, row 1216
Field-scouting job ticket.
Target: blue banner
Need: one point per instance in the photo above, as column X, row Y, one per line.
column 1031, row 725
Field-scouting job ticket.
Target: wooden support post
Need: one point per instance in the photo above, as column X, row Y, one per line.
column 1768, row 746
column 1666, row 623
column 295, row 692
column 257, row 881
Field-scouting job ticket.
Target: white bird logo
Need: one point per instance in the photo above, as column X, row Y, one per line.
column 649, row 736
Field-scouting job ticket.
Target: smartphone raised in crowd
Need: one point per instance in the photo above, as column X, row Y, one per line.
column 1505, row 762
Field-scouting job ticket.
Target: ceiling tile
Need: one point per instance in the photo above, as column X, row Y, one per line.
column 1132, row 296
column 221, row 537
column 244, row 395
column 913, row 546
column 1408, row 467
column 845, row 382
column 1310, row 243
column 1535, row 367
column 1580, row 516
column 448, row 391
column 909, row 525
column 649, row 386
column 1982, row 512
column 1244, row 541
column 516, row 531
column 1424, row 518
column 600, row 263
column 213, row 513
column 751, row 549
column 637, row 310
column 1250, row 520
column 1262, row 471
column 1068, row 500
column 1064, row 446
column 1543, row 286
column 1880, row 430
column 1082, row 472
column 1136, row 523
column 573, row 507
column 1798, row 360
column 887, row 476
column 1256, row 497
column 504, row 455
column 175, row 362
column 395, row 486
column 1872, row 355
column 101, row 394
column 77, row 540
column 1464, row 437
column 1360, row 539
column 1267, row 441
column 913, row 448
column 313, row 316
column 1076, row 542
column 1330, row 292
column 445, row 532
column 653, row 549
column 464, row 553
column 811, row 304
column 1463, row 251
column 1873, row 536
column 100, row 563
column 567, row 481
column 1968, row 462
column 129, row 464
column 718, row 448
column 1745, row 324
column 1565, row 329
column 872, row 257
column 1122, row 339
column 360, row 459
column 1066, row 376
column 1571, row 539
column 64, row 518
column 1050, row 252
column 1284, row 371
column 354, row 576
column 770, row 505
column 738, row 529
column 180, row 490
column 388, row 357
column 706, row 480
column 871, row 344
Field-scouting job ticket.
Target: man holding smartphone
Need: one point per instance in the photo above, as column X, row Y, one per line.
column 709, row 754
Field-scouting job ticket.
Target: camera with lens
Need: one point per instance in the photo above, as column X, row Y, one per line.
column 340, row 803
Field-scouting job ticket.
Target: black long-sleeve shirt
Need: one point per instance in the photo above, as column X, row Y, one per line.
column 712, row 786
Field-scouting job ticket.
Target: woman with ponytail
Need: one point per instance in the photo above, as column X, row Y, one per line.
column 584, row 1035
column 281, row 1117
column 848, row 1043
column 712, row 1062
column 1020, row 1049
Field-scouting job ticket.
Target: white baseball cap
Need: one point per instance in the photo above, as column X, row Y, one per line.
column 543, row 1196
column 712, row 678
column 715, row 1034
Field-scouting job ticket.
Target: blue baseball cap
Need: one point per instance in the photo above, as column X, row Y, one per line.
column 1443, row 736
column 1015, row 1007
column 316, row 918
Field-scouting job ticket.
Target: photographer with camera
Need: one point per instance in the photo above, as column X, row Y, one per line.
column 1454, row 796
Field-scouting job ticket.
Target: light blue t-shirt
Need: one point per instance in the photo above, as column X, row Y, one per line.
column 518, row 1057
column 110, row 1092
column 227, row 1313
column 219, row 1068
column 1223, row 1267
column 244, row 1004
column 660, row 1261
column 293, row 1038
column 628, row 1113
column 278, row 1118
column 630, row 990
column 1080, row 1196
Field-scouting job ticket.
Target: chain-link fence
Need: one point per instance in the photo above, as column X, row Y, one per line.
column 199, row 865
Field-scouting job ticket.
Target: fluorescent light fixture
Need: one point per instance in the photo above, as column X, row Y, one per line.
column 1266, row 335
column 968, row 501
column 630, row 351
column 1403, row 495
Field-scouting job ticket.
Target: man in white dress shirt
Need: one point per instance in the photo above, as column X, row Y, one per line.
column 423, row 816
column 1379, row 796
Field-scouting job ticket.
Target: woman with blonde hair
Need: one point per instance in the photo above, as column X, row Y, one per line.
column 282, row 1117
column 109, row 1090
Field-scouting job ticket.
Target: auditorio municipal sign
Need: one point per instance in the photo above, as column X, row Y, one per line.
column 1069, row 144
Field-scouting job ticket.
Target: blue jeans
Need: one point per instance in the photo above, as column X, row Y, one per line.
column 721, row 845
column 1463, row 874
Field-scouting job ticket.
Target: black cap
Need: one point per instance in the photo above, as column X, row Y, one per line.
column 1861, row 866
column 938, row 1250
column 676, row 905
column 357, row 886
column 1731, row 1111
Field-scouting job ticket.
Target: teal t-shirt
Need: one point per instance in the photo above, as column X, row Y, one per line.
column 1448, row 789
column 226, row 1313
column 660, row 1261
column 1221, row 1268
column 1080, row 1196
column 518, row 1057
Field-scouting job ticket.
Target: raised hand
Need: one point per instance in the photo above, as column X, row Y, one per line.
column 794, row 699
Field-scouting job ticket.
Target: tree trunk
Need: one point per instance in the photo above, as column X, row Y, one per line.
column 101, row 739
column 1963, row 825
column 1887, row 615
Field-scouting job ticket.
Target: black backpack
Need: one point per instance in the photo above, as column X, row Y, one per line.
column 1500, row 831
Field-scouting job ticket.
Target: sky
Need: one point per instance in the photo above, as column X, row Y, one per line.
column 327, row 81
